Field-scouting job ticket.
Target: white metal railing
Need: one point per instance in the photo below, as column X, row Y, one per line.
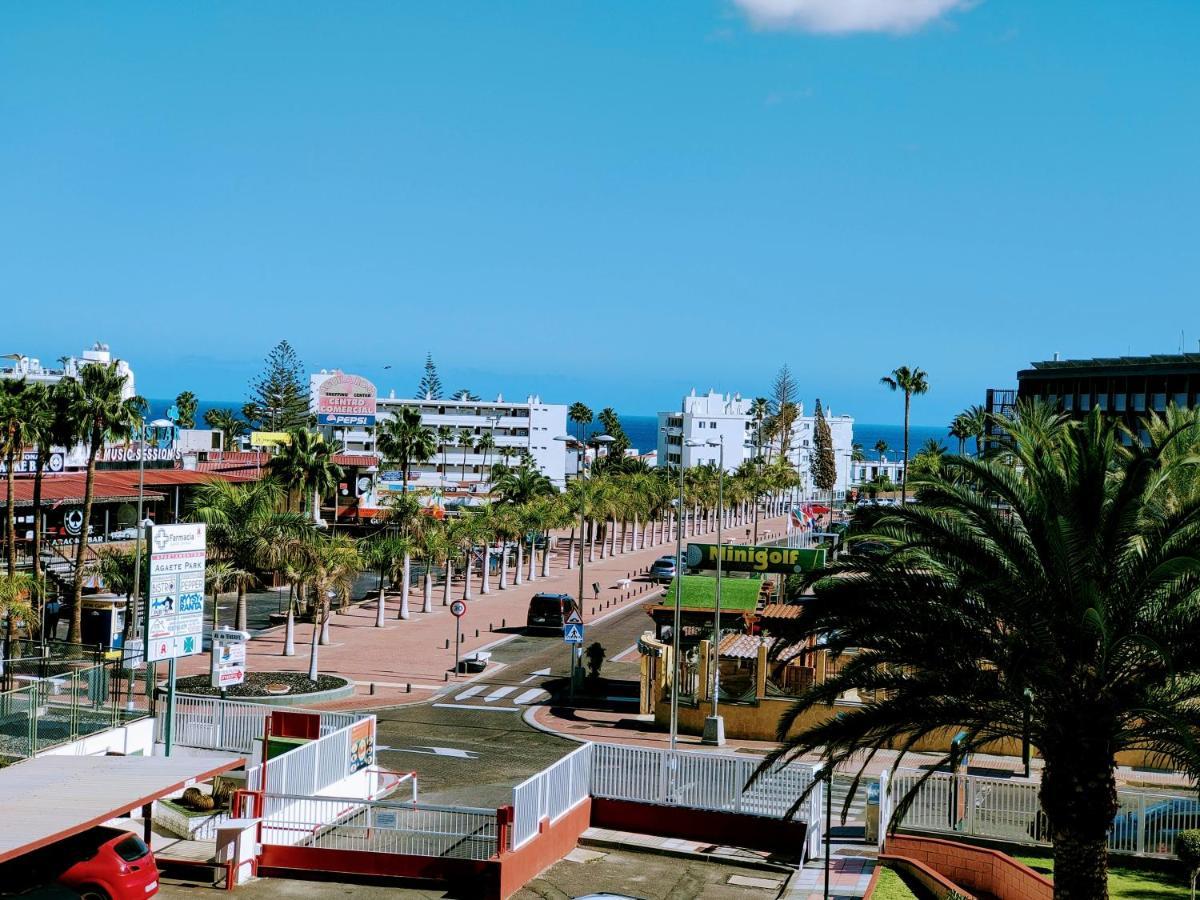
column 211, row 723
column 551, row 793
column 311, row 767
column 698, row 780
column 1010, row 810
column 345, row 823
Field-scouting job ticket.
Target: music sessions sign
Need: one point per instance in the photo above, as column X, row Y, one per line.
column 748, row 558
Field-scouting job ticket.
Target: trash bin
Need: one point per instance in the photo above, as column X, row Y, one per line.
column 871, row 813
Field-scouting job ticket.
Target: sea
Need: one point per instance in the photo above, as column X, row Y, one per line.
column 643, row 430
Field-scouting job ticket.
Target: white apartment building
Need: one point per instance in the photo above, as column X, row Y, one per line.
column 516, row 426
column 711, row 416
column 32, row 370
column 869, row 469
column 704, row 418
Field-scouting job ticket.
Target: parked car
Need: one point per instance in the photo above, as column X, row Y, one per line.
column 1163, row 821
column 549, row 611
column 123, row 534
column 100, row 864
column 663, row 569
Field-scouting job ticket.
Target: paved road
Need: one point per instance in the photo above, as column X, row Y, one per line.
column 470, row 743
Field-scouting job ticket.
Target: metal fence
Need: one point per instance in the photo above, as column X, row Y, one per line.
column 72, row 702
column 341, row 823
column 1009, row 810
column 311, row 767
column 211, row 723
column 551, row 793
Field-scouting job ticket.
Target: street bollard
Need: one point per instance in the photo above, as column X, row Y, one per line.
column 408, row 688
column 371, row 690
column 476, row 632
column 447, row 643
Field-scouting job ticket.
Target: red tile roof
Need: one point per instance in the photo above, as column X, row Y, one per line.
column 745, row 646
column 109, row 487
column 782, row 611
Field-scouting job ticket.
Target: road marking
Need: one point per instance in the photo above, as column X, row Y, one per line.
column 540, row 673
column 528, row 696
column 469, row 706
column 498, row 693
column 471, row 691
column 452, row 752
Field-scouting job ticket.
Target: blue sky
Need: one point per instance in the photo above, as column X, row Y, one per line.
column 611, row 201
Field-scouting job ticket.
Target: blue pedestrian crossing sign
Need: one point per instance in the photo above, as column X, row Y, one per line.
column 573, row 633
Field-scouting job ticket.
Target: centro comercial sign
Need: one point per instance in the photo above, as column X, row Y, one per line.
column 748, row 558
column 345, row 400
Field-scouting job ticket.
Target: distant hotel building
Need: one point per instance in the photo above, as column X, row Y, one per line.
column 516, row 427
column 31, row 370
column 1126, row 387
column 714, row 416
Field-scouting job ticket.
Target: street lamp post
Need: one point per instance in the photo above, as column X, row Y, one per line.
column 714, row 725
column 581, row 449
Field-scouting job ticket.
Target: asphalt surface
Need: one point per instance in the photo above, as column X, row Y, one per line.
column 470, row 744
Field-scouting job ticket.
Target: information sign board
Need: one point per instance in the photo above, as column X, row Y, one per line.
column 175, row 600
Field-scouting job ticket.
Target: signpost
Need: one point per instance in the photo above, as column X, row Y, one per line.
column 174, row 607
column 458, row 609
column 228, row 658
column 573, row 637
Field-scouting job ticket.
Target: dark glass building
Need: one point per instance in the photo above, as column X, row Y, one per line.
column 1128, row 387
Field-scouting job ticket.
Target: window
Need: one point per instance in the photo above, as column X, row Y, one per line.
column 1160, row 402
column 1085, row 402
column 1139, row 402
column 1119, row 403
column 1068, row 402
column 712, row 424
column 699, row 424
column 1102, row 402
column 1180, row 399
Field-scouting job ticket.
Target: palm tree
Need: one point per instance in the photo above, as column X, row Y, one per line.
column 581, row 415
column 227, row 422
column 404, row 515
column 102, row 414
column 405, row 442
column 14, row 435
column 244, row 529
column 760, row 411
column 15, row 591
column 305, row 463
column 48, row 415
column 1048, row 595
column 519, row 486
column 857, row 453
column 960, row 430
column 383, row 553
column 334, row 564
column 445, row 436
column 431, row 546
column 507, row 528
column 219, row 577
column 975, row 418
column 882, row 448
column 466, row 440
column 486, row 445
column 911, row 381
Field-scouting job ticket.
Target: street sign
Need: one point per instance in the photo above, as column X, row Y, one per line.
column 175, row 599
column 458, row 609
column 573, row 634
column 573, row 618
column 228, row 665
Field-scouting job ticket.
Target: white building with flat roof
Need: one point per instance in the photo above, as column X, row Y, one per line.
column 31, row 369
column 517, row 427
column 705, row 418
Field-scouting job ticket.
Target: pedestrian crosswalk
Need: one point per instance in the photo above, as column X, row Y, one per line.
column 489, row 697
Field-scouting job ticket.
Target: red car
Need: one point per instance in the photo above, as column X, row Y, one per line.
column 100, row 864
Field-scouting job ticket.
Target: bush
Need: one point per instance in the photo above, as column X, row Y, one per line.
column 1187, row 848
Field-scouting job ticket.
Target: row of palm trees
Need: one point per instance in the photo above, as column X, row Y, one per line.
column 91, row 409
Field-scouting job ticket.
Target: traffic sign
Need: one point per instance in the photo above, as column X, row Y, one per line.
column 458, row 609
column 573, row 618
column 573, row 634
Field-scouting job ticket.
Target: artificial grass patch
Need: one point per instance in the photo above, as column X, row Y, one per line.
column 700, row 592
column 1125, row 883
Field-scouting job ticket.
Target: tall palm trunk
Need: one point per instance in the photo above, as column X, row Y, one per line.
column 571, row 550
column 74, row 633
column 446, row 583
column 503, row 585
column 313, row 646
column 240, row 609
column 289, row 631
column 904, row 479
column 533, row 559
column 10, row 516
column 316, row 508
column 405, row 584
column 427, row 598
column 519, row 578
column 485, row 575
column 546, row 558
column 380, row 609
column 37, row 532
column 467, row 576
column 591, row 538
column 325, row 607
column 1080, row 800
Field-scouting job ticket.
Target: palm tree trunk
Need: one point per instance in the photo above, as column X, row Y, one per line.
column 533, row 559
column 74, row 633
column 427, row 604
column 503, row 566
column 591, row 541
column 10, row 517
column 634, row 546
column 405, row 584
column 240, row 611
column 446, row 583
column 37, row 534
column 323, row 611
column 571, row 550
column 380, row 610
column 312, row 650
column 519, row 577
column 216, row 616
column 316, row 500
column 904, row 480
column 289, row 633
column 1080, row 800
column 485, row 575
column 546, row 558
column 467, row 576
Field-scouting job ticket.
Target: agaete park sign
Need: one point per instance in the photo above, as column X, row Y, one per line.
column 744, row 558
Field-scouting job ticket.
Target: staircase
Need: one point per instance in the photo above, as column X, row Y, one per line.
column 856, row 815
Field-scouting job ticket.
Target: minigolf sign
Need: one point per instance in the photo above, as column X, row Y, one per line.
column 750, row 558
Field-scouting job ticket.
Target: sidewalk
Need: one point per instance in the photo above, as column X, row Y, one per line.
column 409, row 660
column 850, row 871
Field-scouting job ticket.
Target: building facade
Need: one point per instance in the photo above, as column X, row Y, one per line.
column 1128, row 388
column 516, row 427
column 31, row 369
column 713, row 416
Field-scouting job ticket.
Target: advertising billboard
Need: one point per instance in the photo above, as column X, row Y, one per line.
column 345, row 400
column 175, row 595
column 746, row 558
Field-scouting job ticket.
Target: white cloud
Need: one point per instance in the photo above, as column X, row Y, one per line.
column 847, row 16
